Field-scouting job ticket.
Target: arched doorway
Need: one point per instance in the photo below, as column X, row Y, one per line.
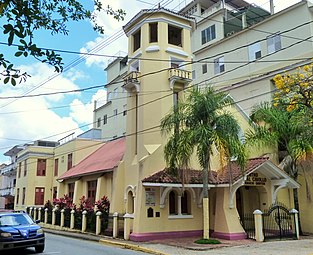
column 251, row 198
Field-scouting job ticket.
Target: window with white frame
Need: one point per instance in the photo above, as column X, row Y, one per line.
column 208, row 34
column 115, row 92
column 115, row 112
column 219, row 65
column 204, row 68
column 255, row 51
column 179, row 205
column 273, row 43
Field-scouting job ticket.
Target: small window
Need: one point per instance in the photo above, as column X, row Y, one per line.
column 17, row 196
column 153, row 29
column 124, row 110
column 55, row 192
column 25, row 167
column 71, row 187
column 115, row 92
column 109, row 96
column 219, row 65
column 172, row 203
column 92, row 189
column 99, row 122
column 204, row 68
column 41, row 167
column 208, row 34
column 23, row 196
column 69, row 161
column 105, row 119
column 255, row 51
column 39, row 196
column 136, row 40
column 56, row 167
column 175, row 35
column 193, row 74
column 115, row 112
column 19, row 169
column 273, row 43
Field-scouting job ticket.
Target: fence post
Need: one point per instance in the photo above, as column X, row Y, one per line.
column 62, row 218
column 72, row 224
column 259, row 237
column 39, row 213
column 84, row 221
column 46, row 215
column 296, row 217
column 35, row 213
column 31, row 212
column 53, row 215
column 127, row 225
column 115, row 225
column 98, row 222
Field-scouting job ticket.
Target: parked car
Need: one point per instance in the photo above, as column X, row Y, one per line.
column 19, row 230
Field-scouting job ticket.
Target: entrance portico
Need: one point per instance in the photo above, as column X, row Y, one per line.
column 256, row 188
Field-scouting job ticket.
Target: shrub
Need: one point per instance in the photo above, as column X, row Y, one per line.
column 103, row 205
column 207, row 241
column 85, row 204
column 64, row 202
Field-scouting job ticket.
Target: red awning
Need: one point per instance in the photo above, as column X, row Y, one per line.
column 104, row 159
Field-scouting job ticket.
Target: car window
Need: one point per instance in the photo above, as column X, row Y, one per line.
column 15, row 220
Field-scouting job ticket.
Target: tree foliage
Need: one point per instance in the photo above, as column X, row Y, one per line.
column 295, row 90
column 22, row 18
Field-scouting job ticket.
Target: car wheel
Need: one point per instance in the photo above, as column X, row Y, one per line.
column 40, row 248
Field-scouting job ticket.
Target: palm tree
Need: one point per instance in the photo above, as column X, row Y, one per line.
column 201, row 123
column 291, row 132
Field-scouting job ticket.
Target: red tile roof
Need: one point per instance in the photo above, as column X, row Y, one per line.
column 195, row 176
column 104, row 159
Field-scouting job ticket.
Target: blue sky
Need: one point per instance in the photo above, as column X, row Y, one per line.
column 53, row 117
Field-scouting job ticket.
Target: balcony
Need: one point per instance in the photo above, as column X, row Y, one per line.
column 7, row 192
column 9, row 170
column 179, row 77
column 132, row 82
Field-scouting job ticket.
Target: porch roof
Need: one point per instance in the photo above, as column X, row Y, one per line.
column 221, row 177
column 104, row 159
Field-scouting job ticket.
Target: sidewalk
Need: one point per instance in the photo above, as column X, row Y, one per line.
column 186, row 246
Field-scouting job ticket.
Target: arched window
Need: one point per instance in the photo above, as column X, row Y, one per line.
column 172, row 203
column 130, row 202
column 185, row 203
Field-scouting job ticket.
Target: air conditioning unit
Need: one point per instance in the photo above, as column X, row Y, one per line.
column 230, row 33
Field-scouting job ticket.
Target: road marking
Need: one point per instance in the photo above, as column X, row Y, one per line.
column 52, row 252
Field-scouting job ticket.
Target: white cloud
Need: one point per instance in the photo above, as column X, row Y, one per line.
column 83, row 112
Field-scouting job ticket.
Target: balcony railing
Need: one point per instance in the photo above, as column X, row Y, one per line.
column 132, row 81
column 179, row 76
column 5, row 192
column 8, row 170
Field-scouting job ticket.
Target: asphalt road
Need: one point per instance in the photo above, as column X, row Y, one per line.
column 70, row 246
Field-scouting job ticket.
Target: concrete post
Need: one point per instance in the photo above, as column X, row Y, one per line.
column 62, row 218
column 35, row 213
column 98, row 222
column 39, row 213
column 72, row 224
column 115, row 225
column 259, row 236
column 46, row 215
column 296, row 217
column 84, row 221
column 53, row 215
column 206, row 218
column 128, row 218
column 31, row 212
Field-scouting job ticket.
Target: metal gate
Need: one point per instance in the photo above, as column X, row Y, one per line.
column 247, row 222
column 278, row 223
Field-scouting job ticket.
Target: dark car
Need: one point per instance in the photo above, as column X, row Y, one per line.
column 19, row 230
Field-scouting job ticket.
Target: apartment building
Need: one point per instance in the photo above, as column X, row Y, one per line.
column 111, row 117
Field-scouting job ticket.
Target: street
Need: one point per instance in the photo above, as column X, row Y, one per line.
column 70, row 246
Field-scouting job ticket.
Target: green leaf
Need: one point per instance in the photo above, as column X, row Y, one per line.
column 13, row 81
column 18, row 53
column 6, row 80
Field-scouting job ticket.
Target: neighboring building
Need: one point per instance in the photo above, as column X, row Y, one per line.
column 239, row 47
column 111, row 117
column 8, row 178
column 34, row 174
column 39, row 164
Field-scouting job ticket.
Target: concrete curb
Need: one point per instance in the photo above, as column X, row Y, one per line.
column 131, row 247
